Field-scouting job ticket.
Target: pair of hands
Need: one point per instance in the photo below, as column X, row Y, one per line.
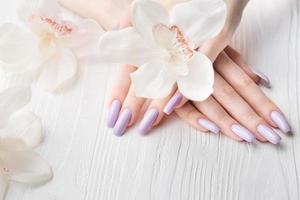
column 237, row 108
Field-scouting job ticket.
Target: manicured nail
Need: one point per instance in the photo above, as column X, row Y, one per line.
column 209, row 125
column 280, row 120
column 113, row 113
column 148, row 120
column 264, row 80
column 122, row 122
column 171, row 105
column 268, row 133
column 243, row 132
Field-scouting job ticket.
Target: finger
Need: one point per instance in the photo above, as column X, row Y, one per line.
column 154, row 114
column 256, row 75
column 238, row 108
column 129, row 113
column 247, row 89
column 196, row 119
column 119, row 91
column 229, row 126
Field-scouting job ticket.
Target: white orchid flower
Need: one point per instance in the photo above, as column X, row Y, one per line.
column 52, row 45
column 20, row 132
column 18, row 161
column 163, row 45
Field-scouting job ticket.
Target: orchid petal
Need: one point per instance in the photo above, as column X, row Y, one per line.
column 127, row 47
column 12, row 144
column 3, row 186
column 163, row 36
column 147, row 14
column 19, row 49
column 198, row 84
column 25, row 126
column 11, row 100
column 59, row 70
column 48, row 8
column 200, row 20
column 82, row 39
column 26, row 167
column 152, row 80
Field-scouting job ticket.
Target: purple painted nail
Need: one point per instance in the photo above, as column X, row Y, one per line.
column 243, row 132
column 148, row 120
column 113, row 113
column 280, row 120
column 209, row 125
column 171, row 105
column 268, row 133
column 264, row 80
column 122, row 122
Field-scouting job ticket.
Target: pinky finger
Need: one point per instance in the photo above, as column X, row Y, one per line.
column 196, row 119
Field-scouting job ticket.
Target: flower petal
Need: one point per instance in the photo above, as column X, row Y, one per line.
column 127, row 47
column 19, row 49
column 25, row 126
column 147, row 14
column 11, row 100
column 152, row 80
column 198, row 84
column 84, row 37
column 59, row 70
column 26, row 167
column 49, row 8
column 3, row 186
column 200, row 20
column 163, row 36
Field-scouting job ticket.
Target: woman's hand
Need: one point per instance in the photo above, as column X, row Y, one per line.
column 238, row 108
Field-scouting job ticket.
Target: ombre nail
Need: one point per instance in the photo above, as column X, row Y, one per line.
column 268, row 133
column 122, row 122
column 113, row 113
column 280, row 120
column 243, row 132
column 148, row 120
column 209, row 125
column 264, row 80
column 171, row 105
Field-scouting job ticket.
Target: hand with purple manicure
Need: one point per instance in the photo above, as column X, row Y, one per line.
column 238, row 108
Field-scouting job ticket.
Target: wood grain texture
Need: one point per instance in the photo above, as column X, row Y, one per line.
column 175, row 162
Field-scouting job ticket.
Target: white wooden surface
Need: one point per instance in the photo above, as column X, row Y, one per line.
column 175, row 161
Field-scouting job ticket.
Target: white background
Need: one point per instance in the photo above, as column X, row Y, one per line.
column 175, row 161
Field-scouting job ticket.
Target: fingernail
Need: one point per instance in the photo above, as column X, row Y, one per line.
column 209, row 125
column 113, row 113
column 243, row 132
column 280, row 120
column 115, row 28
column 264, row 80
column 148, row 120
column 268, row 133
column 171, row 105
column 122, row 122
